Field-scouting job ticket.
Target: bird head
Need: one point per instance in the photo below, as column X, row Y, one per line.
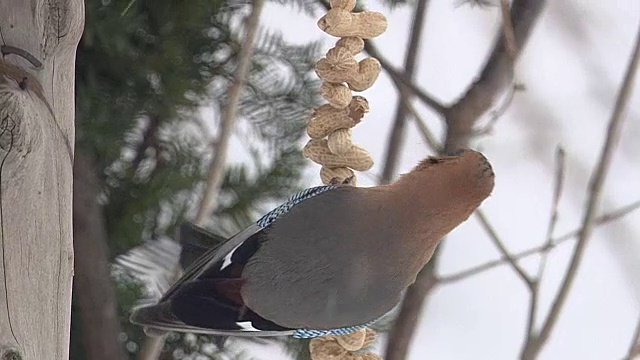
column 461, row 180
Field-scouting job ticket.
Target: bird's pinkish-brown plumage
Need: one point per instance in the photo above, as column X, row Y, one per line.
column 330, row 259
column 345, row 257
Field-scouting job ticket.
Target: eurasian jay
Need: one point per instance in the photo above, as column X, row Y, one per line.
column 331, row 260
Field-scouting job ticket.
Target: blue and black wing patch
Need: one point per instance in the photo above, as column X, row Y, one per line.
column 207, row 298
column 274, row 214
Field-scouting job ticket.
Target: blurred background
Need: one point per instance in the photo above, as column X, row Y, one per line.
column 153, row 79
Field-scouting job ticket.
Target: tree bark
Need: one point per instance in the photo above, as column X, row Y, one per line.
column 93, row 291
column 38, row 40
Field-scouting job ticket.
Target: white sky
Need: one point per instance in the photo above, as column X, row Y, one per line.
column 572, row 68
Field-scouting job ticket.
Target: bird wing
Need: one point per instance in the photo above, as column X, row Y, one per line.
column 206, row 299
column 211, row 257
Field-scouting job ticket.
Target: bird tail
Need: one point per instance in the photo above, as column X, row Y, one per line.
column 159, row 319
column 155, row 318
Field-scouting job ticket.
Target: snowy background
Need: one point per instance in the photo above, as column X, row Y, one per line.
column 572, row 68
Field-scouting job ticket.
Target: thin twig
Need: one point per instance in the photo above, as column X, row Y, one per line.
column 533, row 308
column 149, row 135
column 601, row 220
column 400, row 79
column 218, row 163
column 127, row 8
column 557, row 192
column 495, row 77
column 460, row 118
column 399, row 338
column 532, row 284
column 428, row 136
column 394, row 144
column 535, row 344
column 634, row 347
column 507, row 30
column 499, row 110
column 153, row 346
column 608, row 217
column 503, row 249
column 555, row 200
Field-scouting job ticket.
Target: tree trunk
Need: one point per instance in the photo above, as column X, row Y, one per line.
column 93, row 291
column 38, row 40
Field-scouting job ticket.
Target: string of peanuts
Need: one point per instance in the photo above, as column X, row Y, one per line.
column 330, row 124
column 330, row 131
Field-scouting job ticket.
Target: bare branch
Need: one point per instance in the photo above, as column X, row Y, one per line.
column 634, row 348
column 532, row 285
column 400, row 79
column 507, row 31
column 557, row 192
column 555, row 200
column 148, row 139
column 401, row 334
column 494, row 78
column 499, row 110
column 427, row 135
column 93, row 291
column 535, row 344
column 397, row 131
column 608, row 217
column 533, row 308
column 460, row 119
column 218, row 163
column 601, row 220
column 500, row 245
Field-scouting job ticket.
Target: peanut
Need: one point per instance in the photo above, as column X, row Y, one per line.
column 353, row 44
column 341, row 174
column 355, row 158
column 325, row 348
column 341, row 347
column 327, row 119
column 358, row 107
column 342, row 23
column 370, row 337
column 348, row 5
column 339, row 141
column 338, row 95
column 353, row 341
column 368, row 71
column 339, row 66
